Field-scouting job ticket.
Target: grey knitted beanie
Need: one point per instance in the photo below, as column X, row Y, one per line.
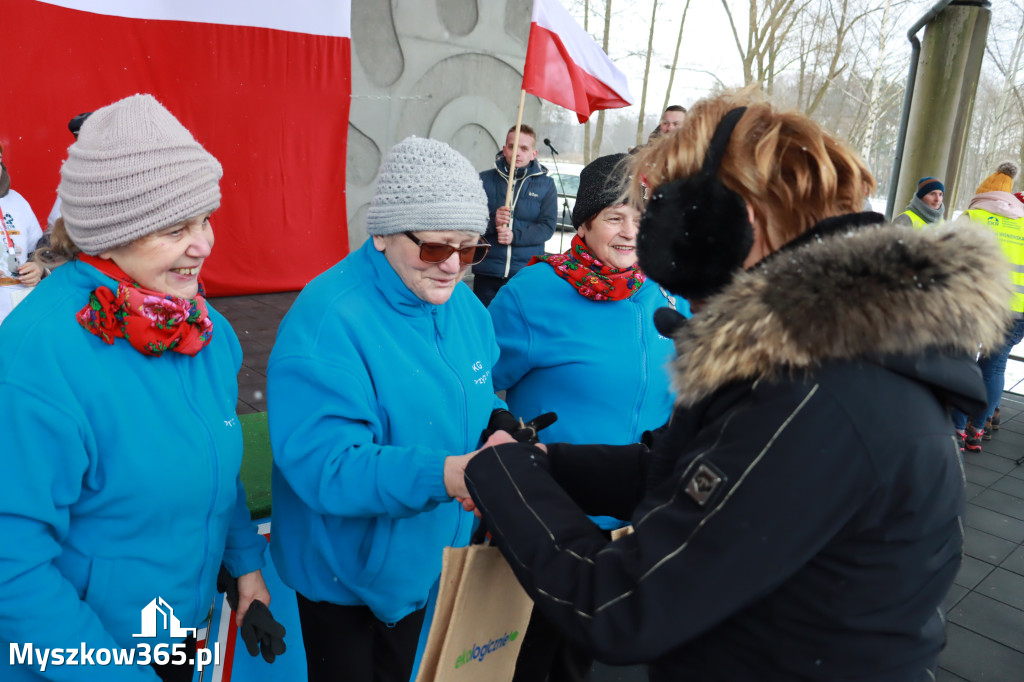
column 426, row 185
column 133, row 170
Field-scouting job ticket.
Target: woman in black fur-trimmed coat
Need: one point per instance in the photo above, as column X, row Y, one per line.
column 800, row 516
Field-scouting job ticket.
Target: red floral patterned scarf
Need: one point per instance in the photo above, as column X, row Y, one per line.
column 589, row 276
column 151, row 321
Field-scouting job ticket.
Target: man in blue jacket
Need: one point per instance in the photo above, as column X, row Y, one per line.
column 379, row 382
column 516, row 233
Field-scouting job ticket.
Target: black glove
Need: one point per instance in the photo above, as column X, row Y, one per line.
column 503, row 420
column 527, row 433
column 261, row 633
column 228, row 585
column 668, row 321
column 259, row 629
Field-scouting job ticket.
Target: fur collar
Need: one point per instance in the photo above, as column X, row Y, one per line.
column 856, row 293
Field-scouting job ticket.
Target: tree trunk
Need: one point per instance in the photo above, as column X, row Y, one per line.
column 647, row 72
column 586, row 126
column 1010, row 78
column 874, row 94
column 675, row 58
column 595, row 147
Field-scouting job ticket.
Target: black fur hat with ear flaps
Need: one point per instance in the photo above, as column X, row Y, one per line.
column 695, row 232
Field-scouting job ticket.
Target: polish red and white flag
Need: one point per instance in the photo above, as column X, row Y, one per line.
column 264, row 85
column 566, row 67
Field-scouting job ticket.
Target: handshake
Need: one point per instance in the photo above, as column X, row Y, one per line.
column 503, row 427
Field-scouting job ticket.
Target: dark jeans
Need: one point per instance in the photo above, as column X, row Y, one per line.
column 993, row 372
column 486, row 287
column 349, row 643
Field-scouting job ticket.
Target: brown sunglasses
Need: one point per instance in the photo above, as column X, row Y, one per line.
column 435, row 252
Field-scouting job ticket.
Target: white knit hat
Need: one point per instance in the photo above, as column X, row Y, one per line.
column 133, row 170
column 426, row 185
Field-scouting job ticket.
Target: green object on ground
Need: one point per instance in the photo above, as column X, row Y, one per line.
column 256, row 461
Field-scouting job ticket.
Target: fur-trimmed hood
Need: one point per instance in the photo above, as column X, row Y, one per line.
column 865, row 292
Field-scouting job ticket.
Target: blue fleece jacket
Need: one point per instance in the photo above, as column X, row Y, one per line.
column 534, row 213
column 120, row 481
column 369, row 389
column 601, row 365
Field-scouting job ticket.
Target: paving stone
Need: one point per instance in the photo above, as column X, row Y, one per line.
column 1003, row 586
column 1014, row 562
column 988, row 548
column 972, row 489
column 944, row 675
column 994, row 523
column 955, row 594
column 980, row 475
column 1000, row 502
column 989, row 461
column 1010, row 486
column 976, row 658
column 990, row 618
column 972, row 571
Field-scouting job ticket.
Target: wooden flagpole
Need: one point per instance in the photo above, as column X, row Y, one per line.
column 515, row 150
column 512, row 178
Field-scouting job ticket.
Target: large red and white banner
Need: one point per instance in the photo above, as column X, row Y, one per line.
column 566, row 67
column 264, row 85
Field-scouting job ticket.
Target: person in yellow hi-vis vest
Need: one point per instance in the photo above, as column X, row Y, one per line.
column 925, row 207
column 993, row 205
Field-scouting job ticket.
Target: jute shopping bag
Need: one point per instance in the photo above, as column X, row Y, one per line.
column 479, row 621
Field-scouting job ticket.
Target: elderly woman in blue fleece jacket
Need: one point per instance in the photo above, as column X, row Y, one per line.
column 577, row 337
column 378, row 384
column 121, row 444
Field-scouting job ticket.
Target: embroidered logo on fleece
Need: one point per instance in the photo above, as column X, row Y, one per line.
column 481, row 379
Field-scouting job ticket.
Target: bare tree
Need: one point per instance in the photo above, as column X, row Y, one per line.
column 586, row 126
column 592, row 142
column 874, row 89
column 675, row 58
column 647, row 73
column 595, row 144
column 843, row 19
column 768, row 30
column 1009, row 72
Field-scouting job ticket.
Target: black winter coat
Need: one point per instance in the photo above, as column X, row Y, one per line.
column 800, row 517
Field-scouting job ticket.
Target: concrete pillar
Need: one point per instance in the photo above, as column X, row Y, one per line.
column 943, row 102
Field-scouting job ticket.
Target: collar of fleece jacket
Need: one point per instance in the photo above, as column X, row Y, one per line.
column 843, row 294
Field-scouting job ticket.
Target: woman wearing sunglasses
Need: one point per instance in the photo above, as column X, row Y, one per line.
column 379, row 382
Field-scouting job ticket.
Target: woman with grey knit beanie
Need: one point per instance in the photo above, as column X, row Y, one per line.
column 379, row 381
column 122, row 447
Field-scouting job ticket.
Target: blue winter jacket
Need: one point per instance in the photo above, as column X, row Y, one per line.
column 600, row 365
column 369, row 389
column 120, row 481
column 534, row 212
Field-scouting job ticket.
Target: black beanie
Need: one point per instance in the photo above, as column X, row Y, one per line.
column 601, row 184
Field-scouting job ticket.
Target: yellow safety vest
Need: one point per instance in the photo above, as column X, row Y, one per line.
column 916, row 221
column 1010, row 232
